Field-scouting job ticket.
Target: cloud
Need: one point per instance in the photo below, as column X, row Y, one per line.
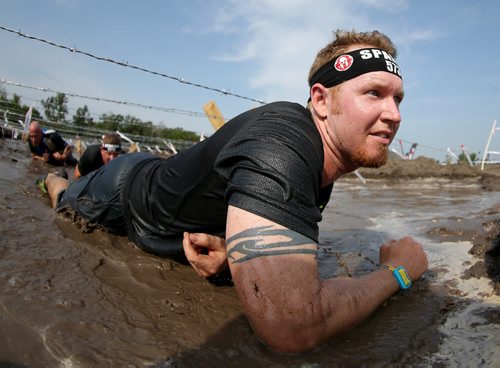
column 423, row 35
column 279, row 39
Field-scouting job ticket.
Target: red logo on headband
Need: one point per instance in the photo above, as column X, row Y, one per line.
column 343, row 62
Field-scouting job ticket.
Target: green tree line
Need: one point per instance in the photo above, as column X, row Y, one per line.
column 56, row 110
column 14, row 108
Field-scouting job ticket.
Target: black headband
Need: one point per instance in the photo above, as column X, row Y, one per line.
column 354, row 63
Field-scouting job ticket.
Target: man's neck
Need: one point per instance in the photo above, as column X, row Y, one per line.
column 333, row 165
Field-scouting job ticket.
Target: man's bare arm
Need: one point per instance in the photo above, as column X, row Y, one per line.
column 275, row 272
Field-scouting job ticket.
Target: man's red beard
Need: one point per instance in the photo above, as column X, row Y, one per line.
column 361, row 158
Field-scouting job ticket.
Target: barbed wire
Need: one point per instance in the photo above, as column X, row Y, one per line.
column 37, row 104
column 97, row 132
column 127, row 65
column 18, row 116
column 420, row 146
column 70, row 130
column 63, row 126
column 81, row 129
column 135, row 104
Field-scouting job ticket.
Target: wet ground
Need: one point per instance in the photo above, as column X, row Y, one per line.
column 73, row 299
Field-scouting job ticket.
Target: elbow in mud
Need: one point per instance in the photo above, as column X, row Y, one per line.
column 285, row 340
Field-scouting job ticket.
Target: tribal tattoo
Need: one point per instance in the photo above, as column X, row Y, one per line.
column 251, row 244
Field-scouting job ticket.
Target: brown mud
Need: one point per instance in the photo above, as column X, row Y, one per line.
column 484, row 235
column 73, row 299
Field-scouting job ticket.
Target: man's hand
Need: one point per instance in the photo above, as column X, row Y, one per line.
column 59, row 156
column 206, row 253
column 44, row 157
column 406, row 252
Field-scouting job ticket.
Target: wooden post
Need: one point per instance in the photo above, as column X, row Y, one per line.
column 213, row 114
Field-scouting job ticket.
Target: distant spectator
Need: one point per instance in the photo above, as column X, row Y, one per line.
column 98, row 155
column 48, row 146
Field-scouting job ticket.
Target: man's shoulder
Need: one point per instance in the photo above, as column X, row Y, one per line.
column 51, row 134
column 283, row 107
column 286, row 121
column 90, row 160
column 273, row 108
column 92, row 151
column 279, row 130
column 93, row 148
column 285, row 104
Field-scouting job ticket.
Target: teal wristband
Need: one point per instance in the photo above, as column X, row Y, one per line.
column 401, row 276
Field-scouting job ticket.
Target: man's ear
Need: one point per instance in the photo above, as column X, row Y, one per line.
column 319, row 96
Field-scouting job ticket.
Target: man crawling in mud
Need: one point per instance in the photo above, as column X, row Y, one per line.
column 253, row 193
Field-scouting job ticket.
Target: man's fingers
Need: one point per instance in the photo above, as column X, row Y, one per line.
column 195, row 248
column 210, row 242
column 191, row 253
column 189, row 250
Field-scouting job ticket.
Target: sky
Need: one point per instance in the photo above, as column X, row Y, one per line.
column 448, row 51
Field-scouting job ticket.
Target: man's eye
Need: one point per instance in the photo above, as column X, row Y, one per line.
column 374, row 93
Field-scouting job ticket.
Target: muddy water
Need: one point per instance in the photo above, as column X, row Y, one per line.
column 73, row 299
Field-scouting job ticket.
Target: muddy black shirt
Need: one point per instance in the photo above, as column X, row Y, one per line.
column 91, row 159
column 267, row 161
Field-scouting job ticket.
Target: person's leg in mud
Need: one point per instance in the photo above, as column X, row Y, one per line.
column 55, row 185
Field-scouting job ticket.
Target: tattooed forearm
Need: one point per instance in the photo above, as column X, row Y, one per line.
column 252, row 243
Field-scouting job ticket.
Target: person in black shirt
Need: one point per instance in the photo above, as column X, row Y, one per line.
column 98, row 155
column 48, row 146
column 256, row 189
